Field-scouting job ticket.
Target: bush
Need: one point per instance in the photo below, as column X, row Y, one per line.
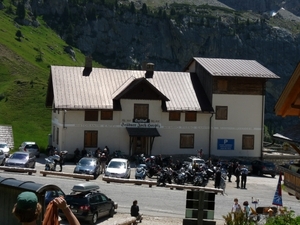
column 284, row 217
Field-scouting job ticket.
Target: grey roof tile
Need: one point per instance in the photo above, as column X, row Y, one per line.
column 235, row 68
column 72, row 90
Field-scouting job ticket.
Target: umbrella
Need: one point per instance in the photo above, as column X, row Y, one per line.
column 277, row 200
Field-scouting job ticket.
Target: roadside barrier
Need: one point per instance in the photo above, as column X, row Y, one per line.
column 74, row 175
column 127, row 221
column 171, row 186
column 18, row 169
column 129, row 181
column 190, row 187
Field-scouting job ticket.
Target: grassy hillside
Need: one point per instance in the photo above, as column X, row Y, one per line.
column 24, row 71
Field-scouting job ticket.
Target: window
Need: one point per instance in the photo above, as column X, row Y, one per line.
column 186, row 140
column 174, row 116
column 106, row 114
column 221, row 112
column 141, row 111
column 248, row 142
column 91, row 115
column 190, row 116
column 222, row 85
column 57, row 135
column 90, row 139
column 53, row 134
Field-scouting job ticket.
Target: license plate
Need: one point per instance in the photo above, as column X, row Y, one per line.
column 74, row 210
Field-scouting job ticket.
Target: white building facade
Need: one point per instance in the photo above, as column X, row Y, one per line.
column 155, row 112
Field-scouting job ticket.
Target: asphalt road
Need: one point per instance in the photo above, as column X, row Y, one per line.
column 160, row 201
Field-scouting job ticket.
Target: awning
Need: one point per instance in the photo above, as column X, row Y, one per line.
column 291, row 134
column 142, row 132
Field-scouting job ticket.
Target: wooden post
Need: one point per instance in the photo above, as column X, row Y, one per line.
column 200, row 207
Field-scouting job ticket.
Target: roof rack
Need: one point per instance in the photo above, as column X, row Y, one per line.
column 85, row 187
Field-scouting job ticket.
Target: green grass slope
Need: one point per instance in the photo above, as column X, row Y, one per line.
column 24, row 72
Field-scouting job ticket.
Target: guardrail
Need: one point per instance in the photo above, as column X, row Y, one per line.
column 129, row 181
column 74, row 175
column 191, row 187
column 18, row 169
column 171, row 186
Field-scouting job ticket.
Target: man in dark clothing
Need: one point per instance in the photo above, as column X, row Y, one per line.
column 237, row 174
column 218, row 177
column 230, row 171
column 134, row 211
column 244, row 172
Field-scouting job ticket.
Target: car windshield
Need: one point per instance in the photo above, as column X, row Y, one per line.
column 87, row 162
column 3, row 145
column 32, row 146
column 269, row 164
column 199, row 161
column 19, row 156
column 115, row 164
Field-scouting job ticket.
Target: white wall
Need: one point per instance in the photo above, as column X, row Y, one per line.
column 245, row 116
column 115, row 136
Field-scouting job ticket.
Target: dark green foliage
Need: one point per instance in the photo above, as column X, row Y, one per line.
column 132, row 8
column 21, row 12
column 19, row 35
column 91, row 14
column 144, row 9
column 173, row 12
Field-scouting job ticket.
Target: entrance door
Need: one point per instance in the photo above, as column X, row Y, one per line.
column 140, row 145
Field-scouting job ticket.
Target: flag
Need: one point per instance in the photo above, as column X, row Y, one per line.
column 277, row 200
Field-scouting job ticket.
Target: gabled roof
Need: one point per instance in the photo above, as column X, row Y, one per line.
column 234, row 68
column 288, row 103
column 70, row 89
column 131, row 85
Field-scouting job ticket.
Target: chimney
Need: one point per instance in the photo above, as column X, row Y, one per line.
column 88, row 66
column 149, row 70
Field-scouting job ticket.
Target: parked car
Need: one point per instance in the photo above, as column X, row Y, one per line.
column 4, row 147
column 118, row 167
column 21, row 159
column 88, row 203
column 263, row 167
column 88, row 165
column 2, row 158
column 31, row 147
column 50, row 195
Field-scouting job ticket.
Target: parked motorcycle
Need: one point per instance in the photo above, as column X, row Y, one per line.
column 164, row 176
column 50, row 162
column 180, row 176
column 140, row 172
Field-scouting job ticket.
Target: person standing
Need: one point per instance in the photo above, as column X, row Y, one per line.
column 56, row 158
column 246, row 209
column 60, row 161
column 230, row 171
column 103, row 162
column 236, row 208
column 218, row 177
column 135, row 211
column 237, row 174
column 244, row 173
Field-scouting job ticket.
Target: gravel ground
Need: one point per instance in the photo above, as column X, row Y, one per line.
column 148, row 220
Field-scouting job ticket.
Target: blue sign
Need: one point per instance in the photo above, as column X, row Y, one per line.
column 225, row 144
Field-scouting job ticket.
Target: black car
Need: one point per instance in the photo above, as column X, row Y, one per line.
column 88, row 165
column 88, row 203
column 263, row 167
